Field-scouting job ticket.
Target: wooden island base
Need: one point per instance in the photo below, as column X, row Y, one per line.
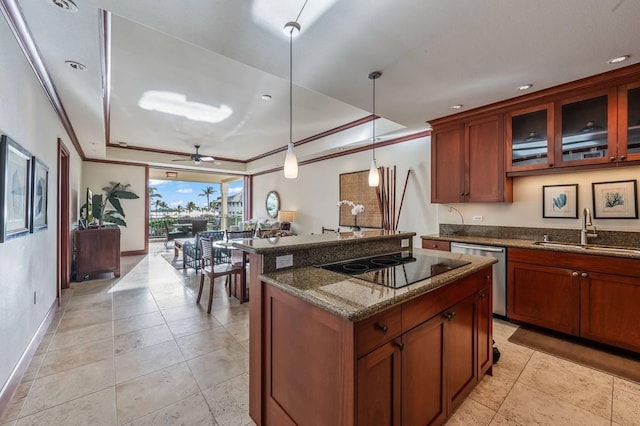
column 410, row 364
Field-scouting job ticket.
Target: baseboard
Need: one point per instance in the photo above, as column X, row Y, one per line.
column 21, row 367
column 133, row 252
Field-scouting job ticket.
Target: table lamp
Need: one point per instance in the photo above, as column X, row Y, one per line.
column 285, row 217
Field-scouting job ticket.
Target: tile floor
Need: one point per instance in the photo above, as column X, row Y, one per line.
column 138, row 351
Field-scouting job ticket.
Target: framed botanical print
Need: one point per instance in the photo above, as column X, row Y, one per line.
column 39, row 192
column 560, row 201
column 15, row 180
column 615, row 200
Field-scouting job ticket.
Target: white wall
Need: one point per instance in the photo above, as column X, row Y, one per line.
column 314, row 194
column 28, row 264
column 526, row 209
column 98, row 175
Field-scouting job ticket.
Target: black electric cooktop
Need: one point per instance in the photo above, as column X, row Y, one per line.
column 395, row 270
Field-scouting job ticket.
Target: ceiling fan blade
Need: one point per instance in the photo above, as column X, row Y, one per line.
column 206, row 158
column 182, row 159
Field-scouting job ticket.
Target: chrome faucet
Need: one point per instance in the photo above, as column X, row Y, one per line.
column 586, row 222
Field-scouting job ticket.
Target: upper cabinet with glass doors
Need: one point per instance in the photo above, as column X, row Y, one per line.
column 587, row 129
column 530, row 138
column 628, row 123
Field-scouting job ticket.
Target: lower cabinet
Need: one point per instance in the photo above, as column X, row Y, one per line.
column 411, row 364
column 97, row 251
column 590, row 296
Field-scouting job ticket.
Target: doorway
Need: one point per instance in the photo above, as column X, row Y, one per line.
column 64, row 252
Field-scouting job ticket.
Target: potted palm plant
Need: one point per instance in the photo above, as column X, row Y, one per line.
column 99, row 205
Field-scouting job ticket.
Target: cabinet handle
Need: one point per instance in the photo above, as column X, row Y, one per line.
column 622, row 158
column 381, row 327
column 584, row 275
column 483, row 296
column 551, row 165
column 612, row 158
column 450, row 315
column 398, row 345
column 574, row 274
column 487, row 278
column 462, row 194
column 435, row 246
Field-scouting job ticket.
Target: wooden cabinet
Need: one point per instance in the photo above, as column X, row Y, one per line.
column 412, row 364
column 594, row 297
column 628, row 148
column 436, row 245
column 467, row 162
column 529, row 138
column 97, row 251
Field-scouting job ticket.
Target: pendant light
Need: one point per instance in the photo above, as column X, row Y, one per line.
column 290, row 161
column 374, row 174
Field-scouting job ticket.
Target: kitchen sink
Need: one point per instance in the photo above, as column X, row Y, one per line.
column 590, row 247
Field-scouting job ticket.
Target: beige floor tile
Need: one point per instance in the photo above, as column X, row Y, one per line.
column 238, row 329
column 33, row 368
column 197, row 344
column 174, row 301
column 182, row 312
column 44, row 344
column 626, row 403
column 98, row 305
column 139, row 322
column 91, row 287
column 234, row 313
column 229, row 401
column 192, row 325
column 529, row 406
column 492, row 390
column 245, row 344
column 76, row 356
column 144, row 395
column 77, row 320
column 502, row 330
column 191, row 411
column 132, row 310
column 499, row 420
column 88, row 334
column 84, row 299
column 583, row 387
column 219, row 366
column 471, row 413
column 146, row 360
column 141, row 338
column 96, row 409
column 12, row 410
column 513, row 360
column 58, row 388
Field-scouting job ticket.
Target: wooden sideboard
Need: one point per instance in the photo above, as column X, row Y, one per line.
column 97, row 251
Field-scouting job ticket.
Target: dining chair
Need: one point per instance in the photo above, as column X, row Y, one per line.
column 214, row 270
column 234, row 235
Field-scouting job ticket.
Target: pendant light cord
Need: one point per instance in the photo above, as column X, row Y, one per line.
column 374, row 119
column 291, row 85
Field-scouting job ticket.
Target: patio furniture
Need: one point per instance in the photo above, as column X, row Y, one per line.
column 214, row 269
column 171, row 234
column 198, row 226
column 191, row 249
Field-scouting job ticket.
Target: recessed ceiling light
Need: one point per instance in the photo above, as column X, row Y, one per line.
column 619, row 59
column 525, row 86
column 458, row 106
column 266, row 97
column 76, row 65
column 66, row 5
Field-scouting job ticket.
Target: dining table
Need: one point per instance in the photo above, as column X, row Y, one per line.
column 228, row 245
column 184, row 227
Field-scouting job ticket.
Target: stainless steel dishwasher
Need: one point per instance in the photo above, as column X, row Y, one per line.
column 499, row 272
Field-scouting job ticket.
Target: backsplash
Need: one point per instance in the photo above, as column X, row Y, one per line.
column 609, row 238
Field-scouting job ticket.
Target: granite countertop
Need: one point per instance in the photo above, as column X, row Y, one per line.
column 566, row 247
column 355, row 299
column 299, row 242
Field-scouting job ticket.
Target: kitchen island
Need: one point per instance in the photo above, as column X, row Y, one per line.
column 326, row 348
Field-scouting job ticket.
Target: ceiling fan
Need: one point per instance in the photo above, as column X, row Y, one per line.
column 197, row 157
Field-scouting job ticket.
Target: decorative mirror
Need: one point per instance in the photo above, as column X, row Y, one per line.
column 273, row 204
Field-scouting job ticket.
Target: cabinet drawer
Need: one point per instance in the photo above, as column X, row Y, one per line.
column 436, row 245
column 418, row 310
column 377, row 330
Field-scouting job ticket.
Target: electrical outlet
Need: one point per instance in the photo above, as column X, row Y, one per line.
column 404, row 242
column 34, row 297
column 284, row 261
column 478, row 218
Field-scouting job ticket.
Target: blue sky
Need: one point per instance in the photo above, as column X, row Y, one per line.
column 176, row 193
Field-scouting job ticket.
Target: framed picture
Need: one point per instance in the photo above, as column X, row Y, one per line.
column 355, row 187
column 560, row 201
column 615, row 200
column 39, row 191
column 15, row 180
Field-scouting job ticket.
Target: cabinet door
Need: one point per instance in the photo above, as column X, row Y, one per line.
column 586, row 129
column 609, row 309
column 436, row 245
column 628, row 123
column 529, row 138
column 423, row 387
column 378, row 386
column 447, row 165
column 485, row 330
column 460, row 351
column 485, row 178
column 544, row 296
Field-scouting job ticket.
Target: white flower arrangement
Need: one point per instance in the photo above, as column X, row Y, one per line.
column 355, row 208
